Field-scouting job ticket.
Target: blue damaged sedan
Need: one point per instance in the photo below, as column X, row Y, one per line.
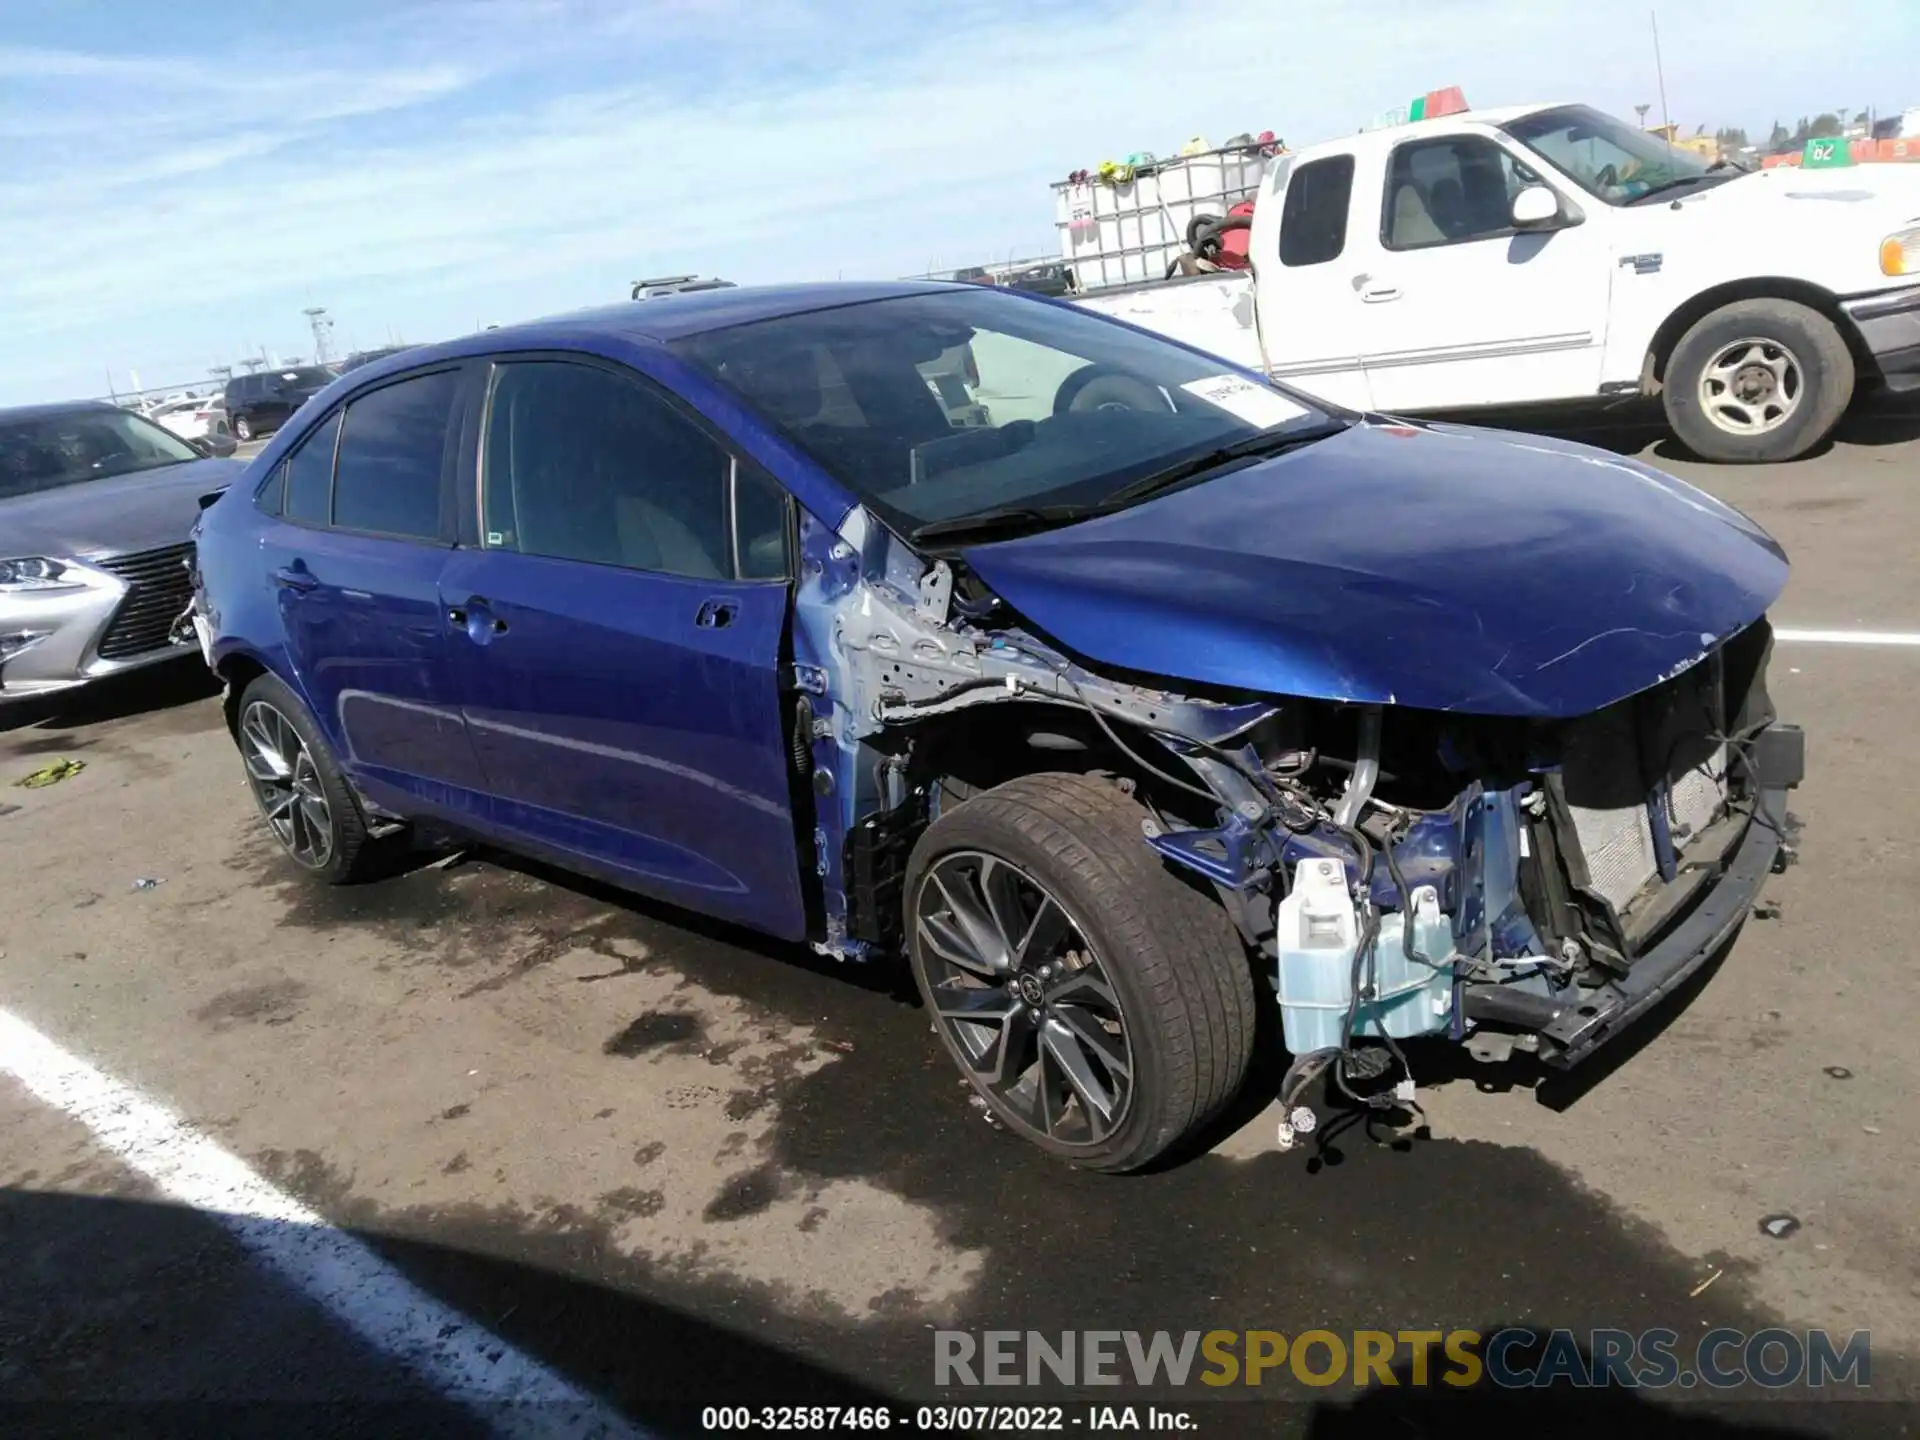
column 1119, row 692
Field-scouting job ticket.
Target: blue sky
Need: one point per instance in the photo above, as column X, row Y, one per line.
column 177, row 183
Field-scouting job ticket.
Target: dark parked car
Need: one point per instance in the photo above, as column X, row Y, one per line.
column 96, row 504
column 1178, row 695
column 260, row 404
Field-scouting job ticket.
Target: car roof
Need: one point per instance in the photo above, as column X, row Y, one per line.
column 674, row 316
column 1387, row 136
column 58, row 407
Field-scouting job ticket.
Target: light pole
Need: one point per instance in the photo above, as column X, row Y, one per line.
column 1641, row 112
column 322, row 324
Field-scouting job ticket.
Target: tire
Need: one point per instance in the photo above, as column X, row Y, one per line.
column 1126, row 940
column 271, row 724
column 1727, row 378
column 1094, row 387
column 242, row 429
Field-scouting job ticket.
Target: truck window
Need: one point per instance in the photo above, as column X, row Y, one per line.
column 1313, row 221
column 1448, row 191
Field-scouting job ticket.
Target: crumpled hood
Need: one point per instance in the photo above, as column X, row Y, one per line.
column 142, row 511
column 1438, row 566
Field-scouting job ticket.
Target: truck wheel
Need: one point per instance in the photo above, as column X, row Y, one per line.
column 1758, row 381
column 1094, row 387
column 242, row 428
column 310, row 811
column 1102, row 1009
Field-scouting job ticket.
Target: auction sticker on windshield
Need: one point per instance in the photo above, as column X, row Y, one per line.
column 1246, row 400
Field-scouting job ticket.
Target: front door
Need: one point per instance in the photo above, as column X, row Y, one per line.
column 1457, row 307
column 618, row 639
column 1301, row 250
column 365, row 531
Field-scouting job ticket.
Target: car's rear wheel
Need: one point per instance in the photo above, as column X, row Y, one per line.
column 242, row 428
column 1758, row 381
column 311, row 812
column 1102, row 1008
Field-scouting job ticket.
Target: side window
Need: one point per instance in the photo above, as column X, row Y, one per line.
column 760, row 527
column 310, row 475
column 1313, row 221
column 392, row 452
column 272, row 495
column 584, row 464
column 1447, row 191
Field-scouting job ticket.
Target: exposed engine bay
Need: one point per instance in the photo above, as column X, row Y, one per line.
column 1506, row 882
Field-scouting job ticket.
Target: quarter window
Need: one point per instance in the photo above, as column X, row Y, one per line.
column 1313, row 221
column 393, row 449
column 585, row 464
column 310, row 474
column 272, row 495
column 760, row 522
column 1446, row 192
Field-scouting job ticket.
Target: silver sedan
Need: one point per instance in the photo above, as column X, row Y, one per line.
column 95, row 565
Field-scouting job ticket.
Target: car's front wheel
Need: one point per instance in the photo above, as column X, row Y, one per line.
column 242, row 428
column 1101, row 1007
column 1758, row 381
column 310, row 811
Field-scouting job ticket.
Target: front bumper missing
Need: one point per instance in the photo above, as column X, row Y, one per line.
column 1575, row 1027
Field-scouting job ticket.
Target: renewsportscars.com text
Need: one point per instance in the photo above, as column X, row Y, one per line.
column 1510, row 1358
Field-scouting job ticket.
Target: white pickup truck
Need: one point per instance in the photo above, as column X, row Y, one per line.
column 1551, row 253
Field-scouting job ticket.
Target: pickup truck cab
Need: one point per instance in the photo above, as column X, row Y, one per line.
column 1552, row 253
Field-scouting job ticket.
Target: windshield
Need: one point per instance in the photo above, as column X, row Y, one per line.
column 938, row 407
column 44, row 452
column 1608, row 157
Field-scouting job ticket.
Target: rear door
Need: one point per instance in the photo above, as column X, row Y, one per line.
column 1305, row 304
column 619, row 635
column 1459, row 308
column 366, row 526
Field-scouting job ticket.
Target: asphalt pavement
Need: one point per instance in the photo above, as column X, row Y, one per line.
column 668, row 1162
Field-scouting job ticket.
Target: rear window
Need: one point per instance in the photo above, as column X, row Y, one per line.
column 304, row 377
column 392, row 450
column 1313, row 221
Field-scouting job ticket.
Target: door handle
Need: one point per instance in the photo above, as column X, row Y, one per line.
column 295, row 577
column 1377, row 294
column 716, row 614
column 476, row 617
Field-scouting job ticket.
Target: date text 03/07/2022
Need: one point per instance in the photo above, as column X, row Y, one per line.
column 970, row 1419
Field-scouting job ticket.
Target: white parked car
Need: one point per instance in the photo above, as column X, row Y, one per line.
column 1551, row 253
column 204, row 418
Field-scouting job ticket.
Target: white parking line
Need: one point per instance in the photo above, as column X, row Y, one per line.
column 445, row 1349
column 1850, row 637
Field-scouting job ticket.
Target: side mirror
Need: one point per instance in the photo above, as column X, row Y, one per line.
column 196, row 443
column 1535, row 207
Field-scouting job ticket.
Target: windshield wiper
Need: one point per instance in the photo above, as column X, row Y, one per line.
column 994, row 522
column 1267, row 442
column 988, row 523
column 1675, row 183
